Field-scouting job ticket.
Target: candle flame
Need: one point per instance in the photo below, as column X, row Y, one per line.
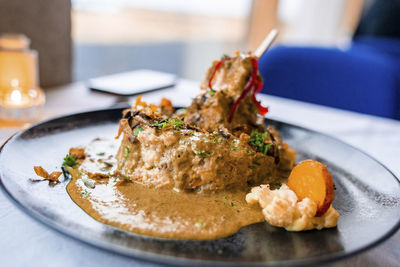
column 16, row 96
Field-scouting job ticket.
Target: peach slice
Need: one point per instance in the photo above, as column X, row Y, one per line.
column 311, row 179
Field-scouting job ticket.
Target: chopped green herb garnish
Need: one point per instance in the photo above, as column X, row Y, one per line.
column 127, row 150
column 235, row 141
column 137, row 131
column 160, row 125
column 201, row 154
column 234, row 148
column 177, row 123
column 115, row 179
column 137, row 198
column 205, row 139
column 226, row 197
column 257, row 141
column 213, row 140
column 232, row 204
column 70, row 161
column 219, row 140
column 238, row 211
column 211, row 92
column 224, row 56
column 101, row 154
column 85, row 194
column 190, row 132
column 215, row 133
column 251, row 167
column 200, row 223
column 250, row 153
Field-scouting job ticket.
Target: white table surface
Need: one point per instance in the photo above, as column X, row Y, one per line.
column 25, row 242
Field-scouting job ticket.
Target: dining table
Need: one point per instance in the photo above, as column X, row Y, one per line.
column 27, row 242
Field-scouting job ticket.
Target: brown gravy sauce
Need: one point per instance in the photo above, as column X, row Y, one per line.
column 156, row 212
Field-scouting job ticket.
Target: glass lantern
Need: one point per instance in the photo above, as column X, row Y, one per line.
column 21, row 98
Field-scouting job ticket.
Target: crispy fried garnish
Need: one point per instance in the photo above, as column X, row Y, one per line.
column 78, row 153
column 98, row 176
column 148, row 109
column 139, row 102
column 166, row 107
column 44, row 174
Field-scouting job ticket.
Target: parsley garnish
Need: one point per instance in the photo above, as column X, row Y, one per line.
column 202, row 154
column 127, row 150
column 257, row 141
column 234, row 148
column 101, row 154
column 137, row 131
column 160, row 125
column 70, row 161
column 200, row 223
column 85, row 194
column 211, row 92
column 177, row 124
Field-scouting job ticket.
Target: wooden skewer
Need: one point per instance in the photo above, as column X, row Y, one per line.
column 266, row 43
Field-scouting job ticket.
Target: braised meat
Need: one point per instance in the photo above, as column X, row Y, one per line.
column 224, row 83
column 220, row 142
column 171, row 153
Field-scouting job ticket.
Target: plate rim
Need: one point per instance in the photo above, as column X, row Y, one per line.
column 173, row 260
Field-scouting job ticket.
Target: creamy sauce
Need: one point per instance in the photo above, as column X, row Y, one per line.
column 156, row 212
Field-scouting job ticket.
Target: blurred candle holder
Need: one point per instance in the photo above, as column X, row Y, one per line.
column 21, row 98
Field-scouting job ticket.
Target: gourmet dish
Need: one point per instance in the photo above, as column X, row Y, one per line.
column 202, row 172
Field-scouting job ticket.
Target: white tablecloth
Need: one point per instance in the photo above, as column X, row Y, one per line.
column 25, row 242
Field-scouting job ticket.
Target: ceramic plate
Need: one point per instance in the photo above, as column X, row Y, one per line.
column 367, row 196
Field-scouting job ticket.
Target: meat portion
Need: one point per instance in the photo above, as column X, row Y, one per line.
column 225, row 82
column 211, row 109
column 171, row 153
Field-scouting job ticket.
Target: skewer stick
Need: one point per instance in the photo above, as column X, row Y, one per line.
column 266, row 43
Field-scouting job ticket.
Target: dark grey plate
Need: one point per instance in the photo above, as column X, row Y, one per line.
column 367, row 197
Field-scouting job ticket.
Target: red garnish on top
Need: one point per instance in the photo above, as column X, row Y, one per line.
column 217, row 66
column 253, row 83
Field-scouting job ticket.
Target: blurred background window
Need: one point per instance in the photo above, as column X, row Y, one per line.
column 183, row 37
column 176, row 36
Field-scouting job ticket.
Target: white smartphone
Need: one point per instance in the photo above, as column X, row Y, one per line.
column 132, row 82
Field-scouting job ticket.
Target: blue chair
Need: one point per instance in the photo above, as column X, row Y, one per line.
column 364, row 78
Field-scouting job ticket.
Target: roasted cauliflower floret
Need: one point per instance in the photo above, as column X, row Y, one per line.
column 282, row 208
